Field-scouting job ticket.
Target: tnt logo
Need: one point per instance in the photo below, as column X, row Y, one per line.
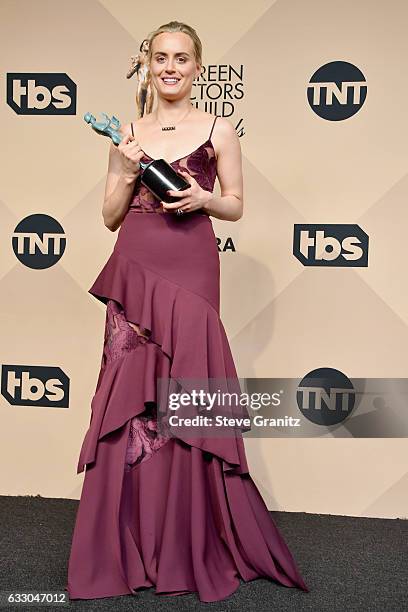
column 326, row 396
column 330, row 245
column 35, row 386
column 38, row 241
column 41, row 93
column 337, row 91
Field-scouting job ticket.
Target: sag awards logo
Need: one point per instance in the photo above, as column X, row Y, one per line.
column 38, row 93
column 336, row 245
column 30, row 385
column 325, row 396
column 39, row 241
column 219, row 89
column 337, row 91
column 225, row 245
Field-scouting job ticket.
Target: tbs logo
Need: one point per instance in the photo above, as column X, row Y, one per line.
column 337, row 91
column 35, row 386
column 39, row 241
column 41, row 93
column 326, row 396
column 330, row 245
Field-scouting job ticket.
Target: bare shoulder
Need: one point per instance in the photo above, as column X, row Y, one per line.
column 125, row 129
column 225, row 129
column 224, row 137
column 139, row 125
column 202, row 118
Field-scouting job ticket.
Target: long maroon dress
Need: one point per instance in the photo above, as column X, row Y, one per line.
column 173, row 513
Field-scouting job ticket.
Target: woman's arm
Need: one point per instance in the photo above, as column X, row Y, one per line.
column 228, row 206
column 119, row 186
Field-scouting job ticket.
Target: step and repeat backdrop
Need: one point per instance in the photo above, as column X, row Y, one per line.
column 313, row 283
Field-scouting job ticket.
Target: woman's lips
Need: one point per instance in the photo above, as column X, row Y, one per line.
column 171, row 83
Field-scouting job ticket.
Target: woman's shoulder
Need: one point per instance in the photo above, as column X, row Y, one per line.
column 210, row 118
column 221, row 128
column 223, row 134
column 126, row 128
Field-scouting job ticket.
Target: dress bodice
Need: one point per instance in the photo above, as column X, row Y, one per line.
column 201, row 164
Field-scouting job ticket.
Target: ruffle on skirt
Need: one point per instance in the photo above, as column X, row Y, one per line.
column 182, row 515
column 187, row 341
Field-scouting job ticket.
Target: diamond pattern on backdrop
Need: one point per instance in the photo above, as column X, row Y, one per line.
column 298, row 168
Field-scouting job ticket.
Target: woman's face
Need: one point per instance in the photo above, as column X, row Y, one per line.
column 173, row 58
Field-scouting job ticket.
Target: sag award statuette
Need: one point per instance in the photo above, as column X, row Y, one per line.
column 157, row 175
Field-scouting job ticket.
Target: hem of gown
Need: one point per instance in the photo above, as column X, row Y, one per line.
column 251, row 543
column 140, row 589
column 135, row 591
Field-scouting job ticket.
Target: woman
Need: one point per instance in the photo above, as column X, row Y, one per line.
column 175, row 513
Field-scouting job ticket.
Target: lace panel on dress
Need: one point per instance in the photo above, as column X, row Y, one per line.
column 120, row 338
column 144, row 439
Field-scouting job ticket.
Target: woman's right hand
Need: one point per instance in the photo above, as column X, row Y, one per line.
column 130, row 156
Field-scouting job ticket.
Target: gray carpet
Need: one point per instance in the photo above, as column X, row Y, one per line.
column 348, row 563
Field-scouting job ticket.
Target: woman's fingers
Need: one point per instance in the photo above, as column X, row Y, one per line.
column 182, row 193
column 133, row 146
column 129, row 147
column 126, row 139
column 131, row 153
column 129, row 143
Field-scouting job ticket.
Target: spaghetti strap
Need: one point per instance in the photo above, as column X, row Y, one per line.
column 131, row 126
column 209, row 138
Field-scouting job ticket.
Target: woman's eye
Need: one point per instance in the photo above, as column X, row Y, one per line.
column 180, row 58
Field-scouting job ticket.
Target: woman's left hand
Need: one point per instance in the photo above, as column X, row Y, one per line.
column 192, row 198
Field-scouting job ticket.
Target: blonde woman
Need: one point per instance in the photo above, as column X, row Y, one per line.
column 174, row 513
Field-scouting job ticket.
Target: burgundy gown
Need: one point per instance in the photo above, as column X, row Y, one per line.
column 177, row 514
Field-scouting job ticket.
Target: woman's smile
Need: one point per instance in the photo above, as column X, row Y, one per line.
column 170, row 81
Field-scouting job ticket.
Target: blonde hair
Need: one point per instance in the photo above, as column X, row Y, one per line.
column 177, row 26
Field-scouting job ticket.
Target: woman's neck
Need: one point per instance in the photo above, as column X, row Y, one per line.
column 170, row 111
